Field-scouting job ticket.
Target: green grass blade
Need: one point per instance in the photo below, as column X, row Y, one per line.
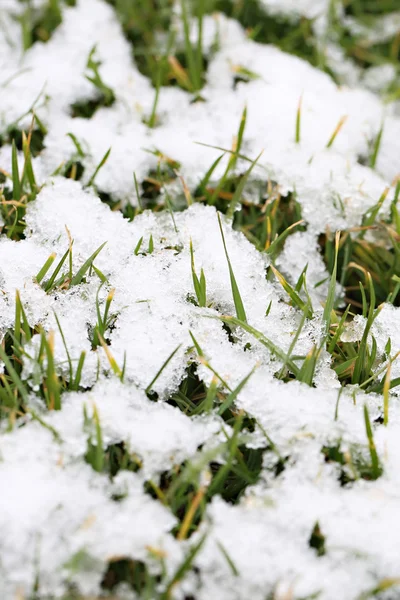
column 46, row 267
column 237, row 299
column 204, row 182
column 377, row 146
column 275, row 350
column 295, row 298
column 138, row 245
column 77, row 279
column 298, row 121
column 330, row 300
column 65, row 347
column 234, row 394
column 50, row 284
column 14, row 375
column 164, row 365
column 273, row 249
column 100, row 165
column 17, row 192
column 78, row 374
column 239, row 190
column 375, row 465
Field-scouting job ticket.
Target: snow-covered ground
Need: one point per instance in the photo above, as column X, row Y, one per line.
column 53, row 506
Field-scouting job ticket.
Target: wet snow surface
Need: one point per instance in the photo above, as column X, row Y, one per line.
column 53, row 505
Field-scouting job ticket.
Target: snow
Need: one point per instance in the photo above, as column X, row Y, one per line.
column 53, row 505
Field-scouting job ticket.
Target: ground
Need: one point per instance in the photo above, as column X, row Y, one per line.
column 199, row 299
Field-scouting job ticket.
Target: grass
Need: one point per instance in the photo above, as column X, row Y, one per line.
column 18, row 189
column 364, row 260
column 105, row 95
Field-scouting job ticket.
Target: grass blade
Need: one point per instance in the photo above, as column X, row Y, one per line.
column 239, row 190
column 157, row 375
column 100, row 165
column 275, row 350
column 377, row 146
column 77, row 279
column 330, row 300
column 234, row 394
column 240, row 312
column 376, row 468
column 45, row 267
column 17, row 193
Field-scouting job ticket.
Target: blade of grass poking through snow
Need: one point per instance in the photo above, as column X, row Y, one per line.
column 239, row 140
column 196, row 345
column 152, row 120
column 102, row 321
column 137, row 192
column 386, row 395
column 293, row 344
column 263, row 340
column 207, row 405
column 183, row 568
column 234, row 394
column 339, row 330
column 193, row 66
column 71, row 373
column 330, row 300
column 113, row 363
column 306, row 374
column 371, row 215
column 170, row 210
column 376, row 469
column 237, row 299
column 295, row 298
column 100, row 275
column 21, row 321
column 51, row 385
column 377, row 146
column 77, row 279
column 190, row 514
column 14, row 375
column 95, row 453
column 231, row 446
column 205, row 363
column 100, row 165
column 27, row 173
column 76, row 144
column 138, row 245
column 186, row 191
column 78, row 375
column 273, row 248
column 338, row 127
column 298, row 121
column 239, row 190
column 198, row 284
column 378, row 387
column 48, row 287
column 229, row 560
column 361, row 366
column 393, row 295
column 199, row 46
column 43, row 423
column 46, row 267
column 164, row 365
column 15, row 173
column 204, row 182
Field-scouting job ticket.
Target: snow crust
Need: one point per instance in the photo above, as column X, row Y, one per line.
column 53, row 505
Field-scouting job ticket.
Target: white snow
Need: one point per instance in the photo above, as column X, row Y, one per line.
column 53, row 505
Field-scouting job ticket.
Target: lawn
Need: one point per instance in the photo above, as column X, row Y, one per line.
column 199, row 299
